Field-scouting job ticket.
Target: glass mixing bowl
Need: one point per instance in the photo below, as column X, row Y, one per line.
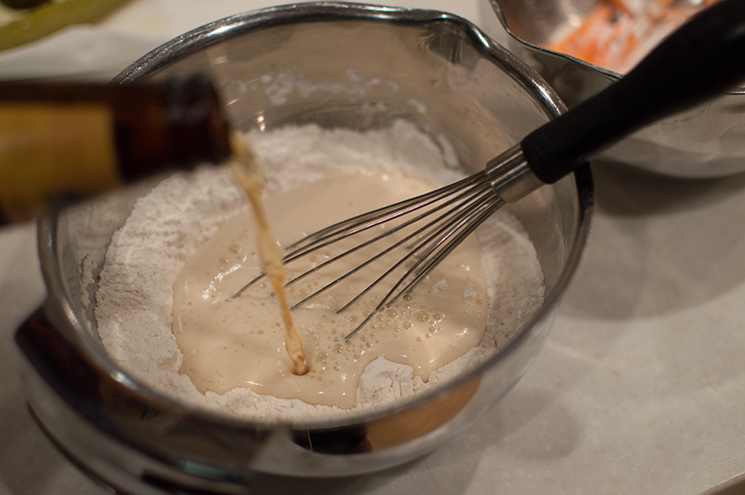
column 366, row 66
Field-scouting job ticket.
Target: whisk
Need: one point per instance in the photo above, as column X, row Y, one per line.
column 703, row 58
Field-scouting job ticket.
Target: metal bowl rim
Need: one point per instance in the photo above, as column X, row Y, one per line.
column 612, row 76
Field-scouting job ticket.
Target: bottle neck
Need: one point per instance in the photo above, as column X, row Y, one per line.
column 171, row 124
column 181, row 126
column 72, row 140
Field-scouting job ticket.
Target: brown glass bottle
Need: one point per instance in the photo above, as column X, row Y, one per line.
column 72, row 140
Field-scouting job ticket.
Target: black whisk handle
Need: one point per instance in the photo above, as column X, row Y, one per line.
column 700, row 60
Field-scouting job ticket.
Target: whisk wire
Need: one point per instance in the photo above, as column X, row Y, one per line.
column 475, row 219
column 366, row 221
column 456, row 204
column 381, row 215
column 449, row 214
column 446, row 239
column 437, row 231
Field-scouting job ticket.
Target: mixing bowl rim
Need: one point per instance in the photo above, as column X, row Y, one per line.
column 232, row 26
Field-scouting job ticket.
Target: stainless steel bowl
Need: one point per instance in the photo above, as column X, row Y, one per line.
column 434, row 69
column 707, row 141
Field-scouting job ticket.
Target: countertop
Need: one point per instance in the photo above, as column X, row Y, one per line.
column 639, row 388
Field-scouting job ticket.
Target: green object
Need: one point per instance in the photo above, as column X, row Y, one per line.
column 51, row 17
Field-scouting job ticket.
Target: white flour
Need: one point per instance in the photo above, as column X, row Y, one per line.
column 135, row 295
